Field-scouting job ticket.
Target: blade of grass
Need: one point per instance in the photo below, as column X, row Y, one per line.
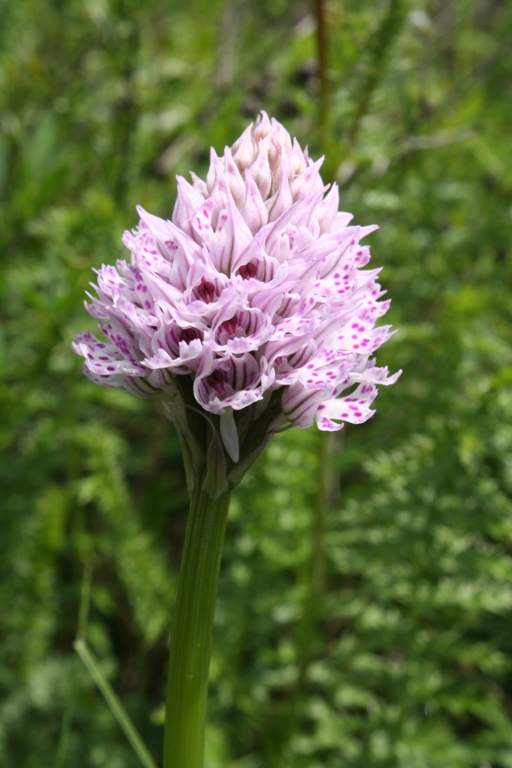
column 114, row 704
column 66, row 726
column 67, row 719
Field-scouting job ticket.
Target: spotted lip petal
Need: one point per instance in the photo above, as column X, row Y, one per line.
column 255, row 285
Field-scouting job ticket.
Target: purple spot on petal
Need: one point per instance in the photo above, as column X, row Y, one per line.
column 247, row 271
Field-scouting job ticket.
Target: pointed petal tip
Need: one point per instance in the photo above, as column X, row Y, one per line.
column 229, row 434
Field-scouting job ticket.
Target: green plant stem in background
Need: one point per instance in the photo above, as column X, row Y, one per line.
column 321, row 38
column 315, row 577
column 191, row 637
column 316, row 566
column 379, row 49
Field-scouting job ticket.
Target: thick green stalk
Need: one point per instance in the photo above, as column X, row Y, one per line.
column 191, row 636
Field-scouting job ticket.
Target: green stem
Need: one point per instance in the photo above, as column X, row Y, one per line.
column 191, row 637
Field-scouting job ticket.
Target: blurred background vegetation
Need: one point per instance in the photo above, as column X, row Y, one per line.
column 364, row 615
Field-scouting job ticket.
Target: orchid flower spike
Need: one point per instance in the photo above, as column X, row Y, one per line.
column 250, row 306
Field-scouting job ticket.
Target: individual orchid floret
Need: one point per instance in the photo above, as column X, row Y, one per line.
column 251, row 305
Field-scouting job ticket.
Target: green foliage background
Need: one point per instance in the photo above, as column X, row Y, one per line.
column 365, row 602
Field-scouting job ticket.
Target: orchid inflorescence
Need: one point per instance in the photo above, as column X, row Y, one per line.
column 255, row 290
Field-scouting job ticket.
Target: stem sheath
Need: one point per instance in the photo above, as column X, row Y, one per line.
column 191, row 637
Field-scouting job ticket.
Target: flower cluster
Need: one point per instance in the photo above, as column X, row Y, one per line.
column 256, row 285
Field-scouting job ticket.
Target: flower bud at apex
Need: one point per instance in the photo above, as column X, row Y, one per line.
column 260, row 169
column 253, row 298
column 244, row 150
column 263, row 127
column 254, row 211
column 235, row 182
